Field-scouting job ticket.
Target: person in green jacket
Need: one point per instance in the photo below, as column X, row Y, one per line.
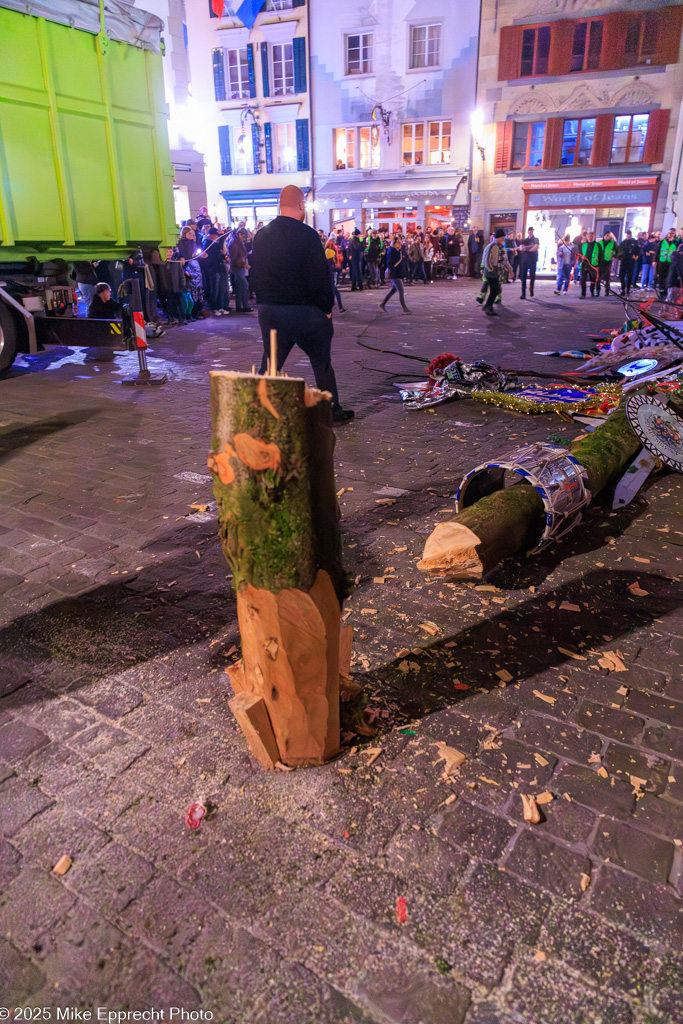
column 667, row 247
column 607, row 247
column 589, row 264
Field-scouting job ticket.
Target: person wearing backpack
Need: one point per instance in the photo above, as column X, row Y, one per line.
column 495, row 265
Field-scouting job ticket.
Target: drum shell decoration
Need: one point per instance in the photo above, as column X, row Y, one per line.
column 659, row 426
column 559, row 478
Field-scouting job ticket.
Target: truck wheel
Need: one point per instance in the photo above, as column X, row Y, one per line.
column 8, row 338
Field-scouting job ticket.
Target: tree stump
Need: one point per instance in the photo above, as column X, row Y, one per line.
column 511, row 520
column 273, row 478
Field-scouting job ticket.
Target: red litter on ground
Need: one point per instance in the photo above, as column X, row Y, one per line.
column 193, row 818
column 401, row 910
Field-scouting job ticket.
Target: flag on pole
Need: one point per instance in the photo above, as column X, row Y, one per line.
column 217, row 7
column 248, row 11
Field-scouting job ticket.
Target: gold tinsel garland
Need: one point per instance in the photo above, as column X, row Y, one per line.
column 517, row 402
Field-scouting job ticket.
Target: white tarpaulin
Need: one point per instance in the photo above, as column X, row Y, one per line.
column 123, row 21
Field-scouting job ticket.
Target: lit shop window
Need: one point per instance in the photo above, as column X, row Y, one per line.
column 628, row 140
column 283, row 69
column 238, row 73
column 413, row 144
column 285, row 147
column 528, row 145
column 369, row 147
column 535, row 51
column 344, row 148
column 359, row 54
column 243, row 149
column 440, row 142
column 577, row 141
column 425, row 45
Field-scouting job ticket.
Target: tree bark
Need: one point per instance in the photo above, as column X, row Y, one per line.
column 511, row 520
column 273, row 474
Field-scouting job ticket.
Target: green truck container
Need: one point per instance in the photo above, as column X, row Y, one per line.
column 85, row 169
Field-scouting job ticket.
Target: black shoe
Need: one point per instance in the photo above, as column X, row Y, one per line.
column 382, row 307
column 406, row 310
column 582, row 296
column 480, row 299
column 490, row 312
column 342, row 415
column 522, row 296
column 247, row 309
column 531, row 293
column 343, row 309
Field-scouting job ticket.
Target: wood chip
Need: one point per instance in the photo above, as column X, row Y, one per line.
column 637, row 590
column 539, row 955
column 637, row 783
column 62, row 865
column 368, row 611
column 385, row 501
column 429, row 627
column 374, row 752
column 487, row 587
column 545, row 697
column 504, row 675
column 623, row 691
column 585, row 882
column 543, row 761
column 602, row 772
column 451, row 757
column 567, row 606
column 451, row 799
column 532, row 815
column 611, row 660
column 637, row 559
column 544, row 798
column 572, row 654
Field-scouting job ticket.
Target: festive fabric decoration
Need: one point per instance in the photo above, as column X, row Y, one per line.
column 559, row 478
column 440, row 363
column 548, row 398
column 454, row 380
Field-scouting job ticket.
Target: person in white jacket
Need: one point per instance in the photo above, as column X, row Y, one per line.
column 565, row 261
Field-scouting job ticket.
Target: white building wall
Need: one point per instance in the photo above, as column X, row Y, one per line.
column 444, row 92
column 206, row 33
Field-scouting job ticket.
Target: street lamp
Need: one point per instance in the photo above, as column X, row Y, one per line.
column 477, row 123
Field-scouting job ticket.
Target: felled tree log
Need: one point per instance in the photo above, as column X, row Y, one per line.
column 273, row 476
column 511, row 520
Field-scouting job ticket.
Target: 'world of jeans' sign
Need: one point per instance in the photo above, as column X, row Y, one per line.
column 634, row 197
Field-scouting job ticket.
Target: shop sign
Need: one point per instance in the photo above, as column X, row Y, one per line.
column 611, row 197
column 591, row 183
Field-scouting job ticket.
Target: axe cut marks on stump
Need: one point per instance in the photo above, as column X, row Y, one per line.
column 511, row 520
column 273, row 474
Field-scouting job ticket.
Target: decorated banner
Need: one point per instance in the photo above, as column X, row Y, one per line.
column 550, row 398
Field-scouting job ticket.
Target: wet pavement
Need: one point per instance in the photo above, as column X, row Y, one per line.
column 383, row 892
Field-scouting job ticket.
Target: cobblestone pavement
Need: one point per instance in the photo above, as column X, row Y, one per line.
column 118, row 623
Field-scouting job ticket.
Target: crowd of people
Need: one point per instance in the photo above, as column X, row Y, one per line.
column 647, row 261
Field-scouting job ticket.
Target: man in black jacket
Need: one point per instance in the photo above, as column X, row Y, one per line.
column 629, row 251
column 291, row 280
column 103, row 307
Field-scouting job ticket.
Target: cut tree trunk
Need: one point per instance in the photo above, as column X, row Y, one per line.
column 512, row 520
column 273, row 475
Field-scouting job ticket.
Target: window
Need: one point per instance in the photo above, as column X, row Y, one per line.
column 369, row 147
column 440, row 142
column 577, row 141
column 587, row 46
column 238, row 74
column 413, row 144
column 628, row 140
column 344, row 148
column 535, row 51
column 218, row 60
column 641, row 39
column 528, row 142
column 285, row 147
column 425, row 44
column 283, row 69
column 278, row 5
column 359, row 54
column 243, row 149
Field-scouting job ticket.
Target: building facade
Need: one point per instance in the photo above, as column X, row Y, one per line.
column 393, row 87
column 250, row 92
column 189, row 186
column 579, row 105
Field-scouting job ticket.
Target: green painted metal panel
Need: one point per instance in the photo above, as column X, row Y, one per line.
column 84, row 158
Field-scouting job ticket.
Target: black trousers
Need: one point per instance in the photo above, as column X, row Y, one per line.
column 589, row 275
column 626, row 275
column 604, row 272
column 527, row 268
column 311, row 330
column 495, row 289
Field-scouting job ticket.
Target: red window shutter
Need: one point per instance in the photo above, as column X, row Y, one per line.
column 615, row 27
column 552, row 148
column 669, row 22
column 561, row 42
column 602, row 141
column 510, row 53
column 655, row 140
column 503, row 153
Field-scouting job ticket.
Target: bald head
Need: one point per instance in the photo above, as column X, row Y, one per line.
column 292, row 203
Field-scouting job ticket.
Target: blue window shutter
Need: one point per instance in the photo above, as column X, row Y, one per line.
column 299, row 55
column 268, row 135
column 250, row 66
column 255, row 147
column 302, row 144
column 224, row 146
column 298, row 3
column 219, row 73
column 264, row 69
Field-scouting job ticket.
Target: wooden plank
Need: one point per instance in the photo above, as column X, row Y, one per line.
column 252, row 717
